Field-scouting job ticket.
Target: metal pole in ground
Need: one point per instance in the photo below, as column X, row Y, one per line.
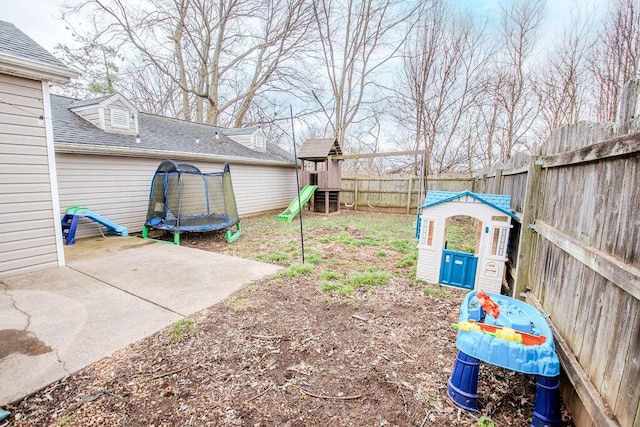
column 295, row 155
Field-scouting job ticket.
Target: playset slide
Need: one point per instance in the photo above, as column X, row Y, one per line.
column 70, row 223
column 296, row 204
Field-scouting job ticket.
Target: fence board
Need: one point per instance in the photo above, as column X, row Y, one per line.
column 623, row 275
column 626, row 406
column 621, row 146
column 600, row 414
column 619, row 347
column 400, row 193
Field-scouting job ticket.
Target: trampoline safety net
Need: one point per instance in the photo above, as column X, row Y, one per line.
column 184, row 199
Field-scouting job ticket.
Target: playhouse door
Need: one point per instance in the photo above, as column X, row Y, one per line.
column 458, row 269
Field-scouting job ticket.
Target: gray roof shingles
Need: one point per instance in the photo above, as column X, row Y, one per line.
column 156, row 133
column 318, row 149
column 16, row 43
column 92, row 101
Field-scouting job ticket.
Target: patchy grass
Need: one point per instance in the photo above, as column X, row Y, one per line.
column 461, row 234
column 346, row 238
column 485, row 421
column 348, row 338
column 295, row 270
column 436, row 291
column 238, row 302
column 369, row 279
column 341, row 243
column 274, row 257
column 404, row 246
column 365, row 280
column 182, row 329
column 331, row 275
column 340, row 288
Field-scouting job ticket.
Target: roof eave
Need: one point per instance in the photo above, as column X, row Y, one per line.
column 470, row 194
column 22, row 67
column 102, row 150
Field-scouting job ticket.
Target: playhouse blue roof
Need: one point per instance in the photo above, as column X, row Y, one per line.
column 501, row 202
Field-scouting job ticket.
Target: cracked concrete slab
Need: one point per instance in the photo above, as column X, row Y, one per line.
column 113, row 292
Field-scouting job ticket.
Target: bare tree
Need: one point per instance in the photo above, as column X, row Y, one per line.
column 97, row 63
column 222, row 55
column 561, row 85
column 520, row 21
column 152, row 91
column 616, row 55
column 444, row 64
column 357, row 38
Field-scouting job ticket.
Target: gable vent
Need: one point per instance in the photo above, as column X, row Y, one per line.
column 119, row 119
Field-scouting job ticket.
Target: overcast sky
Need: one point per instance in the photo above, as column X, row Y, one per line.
column 40, row 19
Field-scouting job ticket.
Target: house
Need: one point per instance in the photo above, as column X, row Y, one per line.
column 102, row 153
column 483, row 269
column 107, row 153
column 29, row 205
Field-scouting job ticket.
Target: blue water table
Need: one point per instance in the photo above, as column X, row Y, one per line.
column 509, row 333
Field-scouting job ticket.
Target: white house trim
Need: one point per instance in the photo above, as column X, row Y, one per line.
column 22, row 67
column 70, row 148
column 53, row 181
column 101, row 118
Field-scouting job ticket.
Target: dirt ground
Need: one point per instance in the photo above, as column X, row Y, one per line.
column 315, row 345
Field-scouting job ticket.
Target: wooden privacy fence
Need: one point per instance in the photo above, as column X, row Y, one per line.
column 578, row 259
column 580, row 265
column 397, row 193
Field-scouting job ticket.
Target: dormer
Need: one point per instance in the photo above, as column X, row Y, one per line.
column 253, row 138
column 111, row 113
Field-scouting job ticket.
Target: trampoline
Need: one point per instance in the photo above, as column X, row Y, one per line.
column 183, row 199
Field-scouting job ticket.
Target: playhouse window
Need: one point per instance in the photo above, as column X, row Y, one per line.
column 499, row 242
column 427, row 232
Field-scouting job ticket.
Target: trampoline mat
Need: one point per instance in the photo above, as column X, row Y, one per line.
column 193, row 223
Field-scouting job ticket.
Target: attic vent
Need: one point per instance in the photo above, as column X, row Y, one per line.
column 119, row 118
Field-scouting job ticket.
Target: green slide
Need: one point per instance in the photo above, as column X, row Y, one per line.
column 294, row 207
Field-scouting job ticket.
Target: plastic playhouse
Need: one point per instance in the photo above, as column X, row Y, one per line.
column 485, row 267
column 509, row 333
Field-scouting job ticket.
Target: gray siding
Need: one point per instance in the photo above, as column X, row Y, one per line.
column 27, row 233
column 117, row 188
column 91, row 115
column 262, row 188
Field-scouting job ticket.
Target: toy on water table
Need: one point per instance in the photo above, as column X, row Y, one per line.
column 511, row 334
column 504, row 333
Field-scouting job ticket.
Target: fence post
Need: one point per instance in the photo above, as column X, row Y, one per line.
column 355, row 194
column 627, row 106
column 409, row 195
column 497, row 182
column 526, row 260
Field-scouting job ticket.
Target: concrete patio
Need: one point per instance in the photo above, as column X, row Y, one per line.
column 113, row 291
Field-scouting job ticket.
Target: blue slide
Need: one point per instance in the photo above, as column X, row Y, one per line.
column 70, row 223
